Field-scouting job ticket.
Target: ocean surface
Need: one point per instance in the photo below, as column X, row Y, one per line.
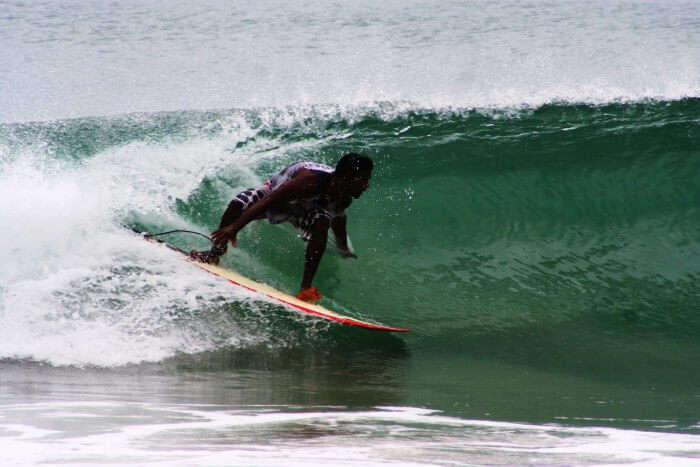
column 533, row 218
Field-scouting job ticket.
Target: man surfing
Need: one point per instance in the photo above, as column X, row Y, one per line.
column 312, row 197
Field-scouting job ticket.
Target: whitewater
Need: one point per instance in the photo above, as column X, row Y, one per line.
column 533, row 217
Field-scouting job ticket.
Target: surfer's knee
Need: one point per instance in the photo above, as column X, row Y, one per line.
column 235, row 205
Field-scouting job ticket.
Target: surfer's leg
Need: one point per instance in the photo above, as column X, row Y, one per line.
column 240, row 203
column 211, row 256
column 233, row 211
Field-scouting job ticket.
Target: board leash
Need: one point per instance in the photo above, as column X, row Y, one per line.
column 150, row 235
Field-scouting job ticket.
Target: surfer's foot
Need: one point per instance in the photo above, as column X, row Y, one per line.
column 309, row 295
column 209, row 256
column 204, row 257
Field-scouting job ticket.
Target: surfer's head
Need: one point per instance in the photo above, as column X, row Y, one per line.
column 353, row 172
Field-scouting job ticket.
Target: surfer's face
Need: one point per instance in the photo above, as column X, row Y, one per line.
column 357, row 184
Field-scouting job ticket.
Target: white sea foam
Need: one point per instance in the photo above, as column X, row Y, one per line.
column 77, row 288
column 56, row 433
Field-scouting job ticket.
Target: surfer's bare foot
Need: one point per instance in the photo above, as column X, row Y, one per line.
column 210, row 256
column 204, row 257
column 309, row 295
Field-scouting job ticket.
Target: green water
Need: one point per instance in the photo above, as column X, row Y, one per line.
column 545, row 260
column 533, row 219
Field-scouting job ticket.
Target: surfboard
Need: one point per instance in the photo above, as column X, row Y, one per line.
column 240, row 280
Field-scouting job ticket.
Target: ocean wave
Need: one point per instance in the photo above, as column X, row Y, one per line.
column 503, row 219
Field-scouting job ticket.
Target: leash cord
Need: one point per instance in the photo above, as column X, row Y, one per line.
column 179, row 231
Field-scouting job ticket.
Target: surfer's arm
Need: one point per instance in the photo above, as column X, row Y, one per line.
column 299, row 187
column 339, row 226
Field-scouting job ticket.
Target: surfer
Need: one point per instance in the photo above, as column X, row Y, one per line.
column 313, row 197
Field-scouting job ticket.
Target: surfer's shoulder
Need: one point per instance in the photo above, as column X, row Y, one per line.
column 304, row 183
column 310, row 179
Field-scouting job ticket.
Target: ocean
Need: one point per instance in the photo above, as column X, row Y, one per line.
column 533, row 218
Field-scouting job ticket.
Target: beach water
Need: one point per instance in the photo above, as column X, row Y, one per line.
column 533, row 218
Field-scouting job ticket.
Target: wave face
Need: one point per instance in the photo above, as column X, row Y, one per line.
column 519, row 234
